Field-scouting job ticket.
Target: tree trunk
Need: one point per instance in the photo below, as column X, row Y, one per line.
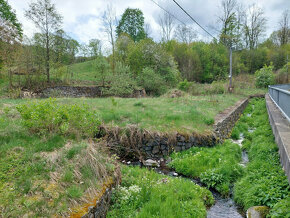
column 47, row 59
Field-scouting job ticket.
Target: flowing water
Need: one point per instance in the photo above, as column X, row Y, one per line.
column 223, row 207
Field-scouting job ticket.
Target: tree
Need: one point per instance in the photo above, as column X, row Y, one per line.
column 166, row 23
column 95, row 47
column 44, row 15
column 10, row 31
column 254, row 26
column 8, row 15
column 109, row 22
column 132, row 23
column 284, row 32
column 185, row 34
column 229, row 34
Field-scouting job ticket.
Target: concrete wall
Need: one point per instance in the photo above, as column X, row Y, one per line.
column 281, row 130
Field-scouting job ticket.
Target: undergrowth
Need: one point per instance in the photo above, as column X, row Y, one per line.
column 45, row 175
column 264, row 181
column 216, row 167
column 145, row 193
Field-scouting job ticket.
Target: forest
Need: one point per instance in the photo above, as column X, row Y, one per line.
column 134, row 59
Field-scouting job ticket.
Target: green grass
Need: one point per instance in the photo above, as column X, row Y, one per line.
column 217, row 167
column 40, row 174
column 185, row 115
column 144, row 193
column 264, row 181
column 85, row 71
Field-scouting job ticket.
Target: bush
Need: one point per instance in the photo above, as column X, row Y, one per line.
column 265, row 77
column 48, row 116
column 184, row 85
column 283, row 77
column 152, row 82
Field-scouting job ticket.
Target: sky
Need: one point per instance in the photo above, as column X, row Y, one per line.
column 82, row 19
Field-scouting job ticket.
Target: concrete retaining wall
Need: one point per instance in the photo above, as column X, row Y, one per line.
column 281, row 130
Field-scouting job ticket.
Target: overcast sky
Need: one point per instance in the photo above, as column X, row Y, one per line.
column 82, row 18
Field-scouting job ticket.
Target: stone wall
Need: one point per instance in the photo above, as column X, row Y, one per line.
column 133, row 143
column 102, row 206
column 103, row 203
column 81, row 91
column 71, row 91
column 225, row 121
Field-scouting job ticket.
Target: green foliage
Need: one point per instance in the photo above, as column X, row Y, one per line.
column 183, row 85
column 265, row 77
column 7, row 13
column 152, row 82
column 147, row 53
column 132, row 23
column 145, row 193
column 264, row 182
column 281, row 209
column 48, row 116
column 103, row 70
column 74, row 151
column 217, row 167
column 74, row 192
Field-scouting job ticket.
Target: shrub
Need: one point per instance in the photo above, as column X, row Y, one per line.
column 183, row 86
column 283, row 77
column 265, row 77
column 152, row 82
column 48, row 116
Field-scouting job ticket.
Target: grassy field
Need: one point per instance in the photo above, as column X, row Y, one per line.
column 45, row 175
column 185, row 114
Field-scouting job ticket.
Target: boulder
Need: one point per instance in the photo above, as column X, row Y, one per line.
column 258, row 212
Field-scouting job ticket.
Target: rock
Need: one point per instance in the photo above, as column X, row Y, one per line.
column 148, row 148
column 175, row 174
column 177, row 149
column 258, row 212
column 151, row 163
column 188, row 145
column 168, row 160
column 163, row 147
column 155, row 150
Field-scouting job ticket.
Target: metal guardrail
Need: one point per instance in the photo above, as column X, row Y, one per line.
column 280, row 94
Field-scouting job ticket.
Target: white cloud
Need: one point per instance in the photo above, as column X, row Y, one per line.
column 82, row 18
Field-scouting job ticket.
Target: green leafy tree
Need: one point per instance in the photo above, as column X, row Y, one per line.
column 132, row 23
column 152, row 82
column 265, row 77
column 147, row 53
column 10, row 31
column 8, row 15
column 46, row 18
column 95, row 47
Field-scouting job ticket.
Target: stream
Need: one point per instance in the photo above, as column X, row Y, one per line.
column 223, row 207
